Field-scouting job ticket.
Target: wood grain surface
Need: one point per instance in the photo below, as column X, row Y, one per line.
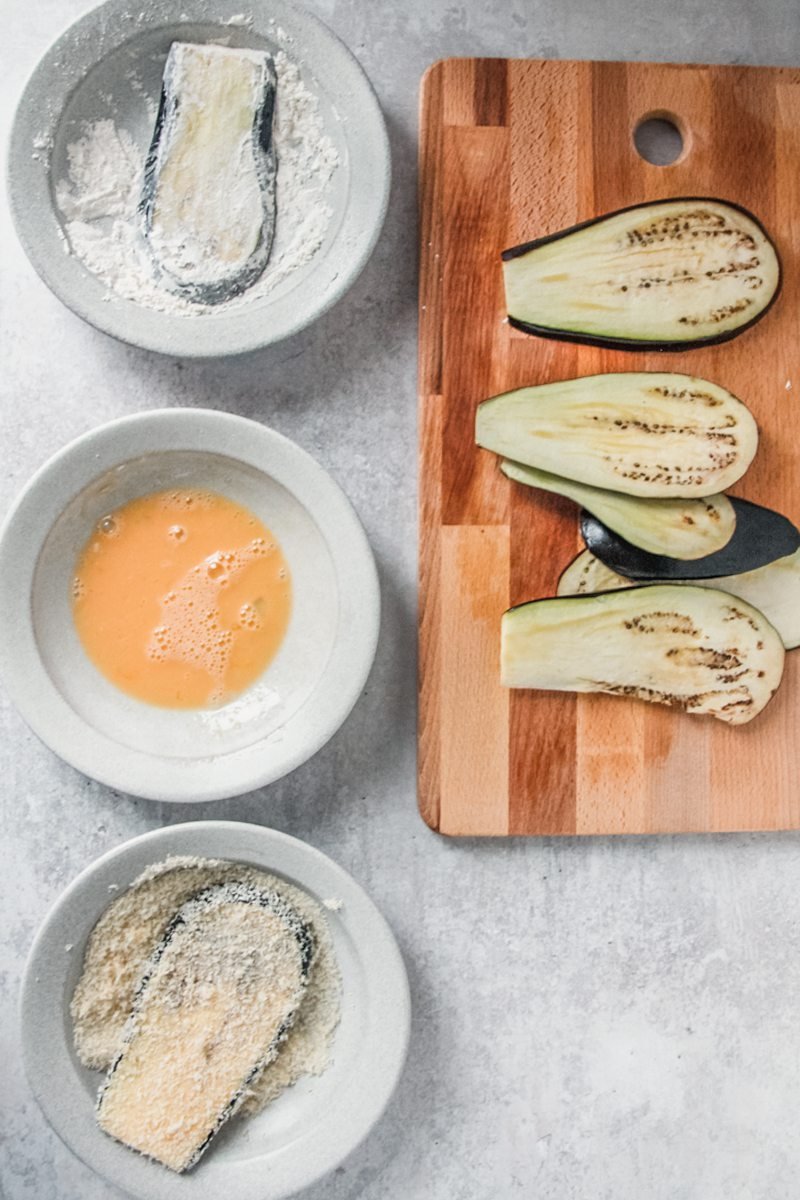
column 509, row 151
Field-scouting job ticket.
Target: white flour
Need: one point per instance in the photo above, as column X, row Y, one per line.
column 99, row 201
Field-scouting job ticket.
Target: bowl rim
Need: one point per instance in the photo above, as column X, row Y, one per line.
column 29, row 184
column 79, row 906
column 40, row 702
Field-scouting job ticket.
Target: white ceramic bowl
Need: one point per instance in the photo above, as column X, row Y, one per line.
column 305, row 693
column 109, row 64
column 308, row 1130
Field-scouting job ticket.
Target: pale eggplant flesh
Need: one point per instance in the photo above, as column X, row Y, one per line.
column 692, row 648
column 651, row 434
column 672, row 274
column 209, row 191
column 773, row 589
column 586, row 574
column 761, row 535
column 217, row 999
column 684, row 529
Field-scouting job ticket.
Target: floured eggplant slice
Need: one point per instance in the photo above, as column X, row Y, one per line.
column 217, row 999
column 774, row 589
column 761, row 535
column 693, row 648
column 652, row 434
column 208, row 197
column 669, row 275
column 680, row 528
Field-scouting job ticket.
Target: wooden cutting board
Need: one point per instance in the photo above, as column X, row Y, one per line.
column 511, row 150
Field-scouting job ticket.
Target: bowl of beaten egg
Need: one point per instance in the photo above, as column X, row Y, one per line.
column 189, row 606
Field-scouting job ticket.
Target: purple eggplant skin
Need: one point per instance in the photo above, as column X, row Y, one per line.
column 612, row 343
column 761, row 536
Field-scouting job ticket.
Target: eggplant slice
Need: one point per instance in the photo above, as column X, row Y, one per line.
column 208, row 197
column 680, row 528
column 774, row 589
column 586, row 575
column 217, row 999
column 668, row 275
column 693, row 648
column 651, row 434
column 761, row 536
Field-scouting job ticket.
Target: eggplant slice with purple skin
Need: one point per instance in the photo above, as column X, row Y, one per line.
column 679, row 528
column 645, row 433
column 761, row 536
column 693, row 648
column 774, row 589
column 668, row 275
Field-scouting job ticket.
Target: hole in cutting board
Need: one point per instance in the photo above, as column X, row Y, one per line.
column 658, row 140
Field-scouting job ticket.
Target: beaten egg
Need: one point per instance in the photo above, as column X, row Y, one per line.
column 181, row 598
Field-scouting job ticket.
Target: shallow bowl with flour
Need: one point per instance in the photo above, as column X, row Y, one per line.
column 306, row 1132
column 307, row 690
column 108, row 65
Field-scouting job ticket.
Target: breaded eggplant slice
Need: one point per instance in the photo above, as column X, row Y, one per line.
column 208, row 197
column 693, row 648
column 669, row 275
column 684, row 529
column 644, row 433
column 774, row 589
column 217, row 999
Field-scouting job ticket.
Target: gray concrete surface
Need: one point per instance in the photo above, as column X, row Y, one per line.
column 592, row 1020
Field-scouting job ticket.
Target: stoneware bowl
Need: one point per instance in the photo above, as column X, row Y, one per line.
column 309, row 1129
column 109, row 65
column 305, row 693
